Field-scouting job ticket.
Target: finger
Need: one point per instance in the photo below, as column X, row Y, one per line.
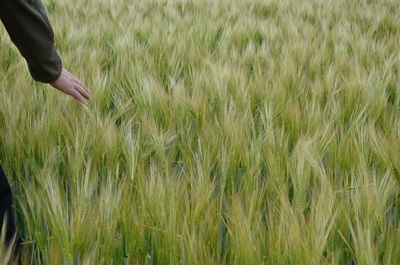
column 70, row 76
column 77, row 81
column 67, row 72
column 75, row 94
column 87, row 89
column 82, row 91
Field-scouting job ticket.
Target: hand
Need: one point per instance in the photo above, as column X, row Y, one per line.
column 69, row 84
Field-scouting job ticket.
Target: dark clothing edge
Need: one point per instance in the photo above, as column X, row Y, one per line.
column 29, row 28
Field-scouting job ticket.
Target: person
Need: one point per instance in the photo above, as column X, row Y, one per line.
column 28, row 26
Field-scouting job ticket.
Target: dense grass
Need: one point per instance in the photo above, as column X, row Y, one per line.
column 219, row 132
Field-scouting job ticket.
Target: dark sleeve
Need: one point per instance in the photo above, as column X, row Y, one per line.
column 28, row 26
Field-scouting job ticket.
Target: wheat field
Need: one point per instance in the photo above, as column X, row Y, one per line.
column 218, row 132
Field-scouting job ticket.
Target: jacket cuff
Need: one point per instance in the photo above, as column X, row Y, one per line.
column 46, row 71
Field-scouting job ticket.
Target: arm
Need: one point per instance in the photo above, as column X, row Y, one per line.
column 29, row 28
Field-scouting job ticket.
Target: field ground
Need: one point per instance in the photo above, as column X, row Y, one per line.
column 219, row 132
